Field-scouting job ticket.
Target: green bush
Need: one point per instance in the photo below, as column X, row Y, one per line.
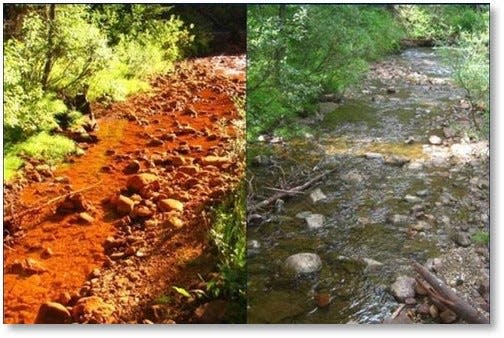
column 11, row 165
column 43, row 146
column 441, row 23
column 51, row 148
column 62, row 49
column 469, row 58
column 297, row 52
column 229, row 237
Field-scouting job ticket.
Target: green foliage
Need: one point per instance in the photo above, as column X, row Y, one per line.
column 441, row 23
column 481, row 237
column 297, row 52
column 469, row 58
column 163, row 299
column 229, row 236
column 182, row 291
column 51, row 148
column 11, row 164
column 112, row 50
column 143, row 44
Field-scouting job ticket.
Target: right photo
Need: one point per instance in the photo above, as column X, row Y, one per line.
column 368, row 170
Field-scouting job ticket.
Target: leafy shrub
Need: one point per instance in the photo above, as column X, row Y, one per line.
column 297, row 52
column 11, row 164
column 441, row 23
column 143, row 45
column 48, row 147
column 229, row 236
column 469, row 59
column 62, row 49
column 51, row 148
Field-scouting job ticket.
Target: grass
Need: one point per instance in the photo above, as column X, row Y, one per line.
column 11, row 165
column 50, row 148
column 481, row 238
column 228, row 234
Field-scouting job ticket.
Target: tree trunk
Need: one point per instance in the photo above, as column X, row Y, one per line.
column 51, row 16
column 442, row 294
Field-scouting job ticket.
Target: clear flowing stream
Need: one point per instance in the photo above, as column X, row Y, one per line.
column 375, row 208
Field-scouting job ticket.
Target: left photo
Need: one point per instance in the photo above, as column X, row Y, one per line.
column 124, row 161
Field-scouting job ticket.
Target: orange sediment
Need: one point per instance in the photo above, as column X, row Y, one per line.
column 76, row 249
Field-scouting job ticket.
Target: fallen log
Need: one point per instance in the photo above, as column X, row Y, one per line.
column 288, row 192
column 46, row 204
column 441, row 294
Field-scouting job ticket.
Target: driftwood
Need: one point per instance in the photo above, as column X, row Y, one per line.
column 398, row 311
column 46, row 204
column 442, row 295
column 288, row 192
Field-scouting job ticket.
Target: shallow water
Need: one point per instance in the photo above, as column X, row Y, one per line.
column 357, row 211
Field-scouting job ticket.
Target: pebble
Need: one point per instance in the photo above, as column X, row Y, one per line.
column 86, row 218
column 435, row 140
column 132, row 168
column 317, row 195
column 433, row 311
column 447, row 316
column 53, row 313
column 412, row 199
column 322, row 299
column 302, row 264
column 169, row 204
column 124, row 205
column 403, row 287
column 315, row 221
column 463, row 239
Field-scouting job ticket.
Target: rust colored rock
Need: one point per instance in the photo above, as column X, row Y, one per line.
column 175, row 222
column 155, row 142
column 184, row 149
column 189, row 169
column 132, row 168
column 93, row 310
column 217, row 161
column 168, row 137
column 142, row 211
column 170, row 204
column 47, row 253
column 322, row 299
column 213, row 312
column 140, row 182
column 72, row 203
column 53, row 313
column 124, row 205
column 65, row 298
column 179, row 160
column 447, row 317
column 27, row 267
column 84, row 217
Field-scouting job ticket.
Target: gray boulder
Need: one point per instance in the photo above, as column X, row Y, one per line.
column 403, row 287
column 315, row 221
column 317, row 195
column 304, row 263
